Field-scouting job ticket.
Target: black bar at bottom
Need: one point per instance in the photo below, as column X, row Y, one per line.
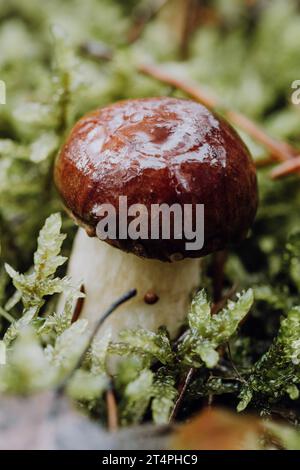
column 135, row 459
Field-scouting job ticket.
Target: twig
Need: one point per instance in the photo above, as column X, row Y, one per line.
column 286, row 168
column 279, row 151
column 61, row 388
column 112, row 409
column 263, row 162
column 79, row 306
column 182, row 389
column 190, row 88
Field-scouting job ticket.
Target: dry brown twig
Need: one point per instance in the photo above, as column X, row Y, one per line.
column 286, row 168
column 181, row 391
column 120, row 301
column 279, row 150
column 79, row 306
column 112, row 410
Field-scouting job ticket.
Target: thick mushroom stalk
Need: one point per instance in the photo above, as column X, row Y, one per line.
column 164, row 289
column 152, row 152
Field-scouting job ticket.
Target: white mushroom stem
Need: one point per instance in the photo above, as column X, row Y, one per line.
column 107, row 273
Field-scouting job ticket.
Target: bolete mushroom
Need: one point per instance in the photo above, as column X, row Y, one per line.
column 152, row 151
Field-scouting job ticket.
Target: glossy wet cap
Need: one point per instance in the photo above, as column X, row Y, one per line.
column 154, row 151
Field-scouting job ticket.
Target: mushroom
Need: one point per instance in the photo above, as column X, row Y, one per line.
column 152, row 151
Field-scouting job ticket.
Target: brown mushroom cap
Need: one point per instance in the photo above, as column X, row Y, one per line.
column 154, row 151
